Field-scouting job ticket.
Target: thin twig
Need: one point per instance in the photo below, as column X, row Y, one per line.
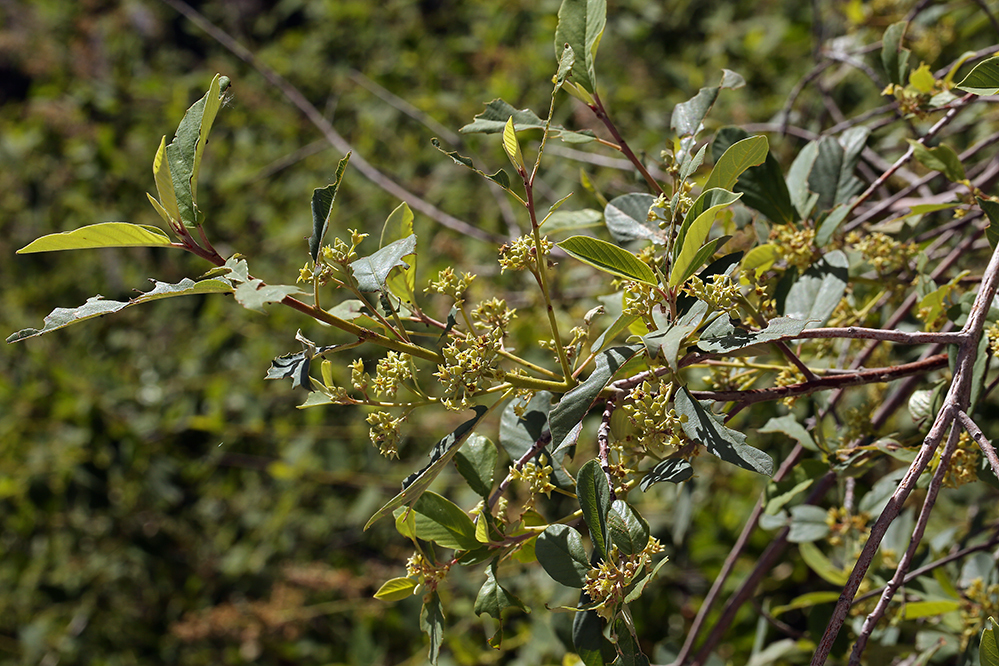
column 984, row 444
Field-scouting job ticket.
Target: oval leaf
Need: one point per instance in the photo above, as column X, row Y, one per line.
column 983, row 79
column 593, row 492
column 440, row 520
column 737, row 158
column 608, row 258
column 560, row 551
column 104, row 234
column 396, row 589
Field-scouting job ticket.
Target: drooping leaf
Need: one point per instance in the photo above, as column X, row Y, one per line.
column 627, row 219
column 501, row 177
column 560, row 551
column 894, row 58
column 991, row 209
column 673, row 470
column 593, row 492
column 735, row 160
column 476, row 462
column 983, row 79
column 396, row 589
column 818, row 290
column 628, row 530
column 581, row 25
column 493, row 119
column 322, row 208
column 432, row 624
column 763, row 187
column 609, row 258
column 587, row 636
column 297, row 365
column 707, row 429
column 822, row 565
column 493, row 598
column 574, row 405
column 416, row 483
column 103, row 234
column 942, row 159
column 440, row 520
column 371, row 272
column 398, row 226
column 777, row 329
column 98, row 306
column 988, row 648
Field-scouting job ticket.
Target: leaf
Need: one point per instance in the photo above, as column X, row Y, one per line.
column 398, row 226
column 790, row 427
column 98, row 306
column 830, row 224
column 821, row 565
column 440, row 520
column 560, row 551
column 512, row 146
column 593, row 493
column 396, row 589
column 254, row 294
column 707, row 429
column 574, row 405
column 942, row 159
column 760, row 258
column 777, row 329
column 991, row 209
column 988, row 648
column 917, row 609
column 922, row 79
column 808, row 523
column 831, row 175
column 894, row 58
column 763, row 187
column 802, row 198
column 695, row 229
column 673, row 470
column 167, row 203
column 476, row 462
column 416, row 484
column 517, row 434
column 688, row 117
column 609, row 258
column 372, row 272
column 587, row 636
column 432, row 624
column 627, row 219
column 581, row 25
column 667, row 343
column 818, row 291
column 493, row 598
column 297, row 365
column 983, row 79
column 735, row 160
column 805, row 601
column 103, row 234
column 573, row 220
column 184, row 153
column 322, row 208
column 628, row 530
column 629, row 652
column 493, row 121
column 693, row 164
column 639, row 586
column 566, row 61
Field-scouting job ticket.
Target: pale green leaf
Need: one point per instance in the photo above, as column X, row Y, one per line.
column 440, row 520
column 396, row 589
column 609, row 258
column 581, row 25
column 103, row 234
column 372, row 272
column 735, row 160
column 983, row 79
column 918, row 609
column 695, row 229
column 820, row 564
column 512, row 146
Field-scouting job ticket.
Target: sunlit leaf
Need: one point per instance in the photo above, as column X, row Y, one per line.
column 708, row 430
column 371, row 272
column 103, row 234
column 735, row 160
column 322, row 208
column 609, row 258
column 396, row 589
column 983, row 79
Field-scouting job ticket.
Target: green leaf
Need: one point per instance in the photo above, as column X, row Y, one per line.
column 573, row 220
column 432, row 624
column 707, row 429
column 667, row 344
column 500, row 177
column 818, row 291
column 442, row 521
column 694, row 231
column 763, row 187
column 609, row 258
column 820, row 564
column 512, row 146
column 628, row 650
column 894, row 58
column 673, row 470
column 587, row 636
column 416, row 483
column 493, row 121
column 790, row 427
column 830, row 223
column 922, row 79
column 254, row 294
column 166, row 206
column 184, row 153
column 832, row 174
column 917, row 609
column 560, row 551
column 517, row 434
column 942, row 159
column 688, row 117
column 983, row 79
column 988, row 648
column 493, row 598
column 627, row 528
column 991, row 209
column 322, row 208
column 98, row 306
column 581, row 25
column 806, row 601
column 808, row 523
column 566, row 62
column 574, row 405
column 735, row 160
column 373, row 271
column 396, row 589
column 777, row 329
column 593, row 493
column 627, row 219
column 760, row 258
column 103, row 234
column 476, row 462
column 398, row 226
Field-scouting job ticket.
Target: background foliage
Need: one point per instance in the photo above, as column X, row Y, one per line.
column 159, row 501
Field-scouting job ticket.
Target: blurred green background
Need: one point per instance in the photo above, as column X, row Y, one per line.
column 159, row 501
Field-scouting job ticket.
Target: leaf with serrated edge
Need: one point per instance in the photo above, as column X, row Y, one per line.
column 719, row 440
column 609, row 258
column 560, row 551
column 102, row 234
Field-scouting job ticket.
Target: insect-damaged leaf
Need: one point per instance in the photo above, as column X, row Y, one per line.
column 103, row 234
column 581, row 25
column 777, row 329
column 371, row 272
column 707, row 429
column 322, row 208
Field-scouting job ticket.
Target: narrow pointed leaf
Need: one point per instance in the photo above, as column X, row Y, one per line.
column 493, row 119
column 512, row 146
column 560, row 551
column 983, row 79
column 322, row 208
column 103, row 234
column 894, row 58
column 735, row 160
column 593, row 492
column 609, row 258
column 164, row 183
column 707, row 429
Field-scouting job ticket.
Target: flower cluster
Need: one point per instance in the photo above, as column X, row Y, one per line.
column 720, row 294
column 980, row 601
column 394, row 369
column 493, row 314
column 471, row 363
column 993, row 334
column 963, row 467
column 796, row 246
column 450, row 283
column 538, row 476
column 842, row 523
column 607, row 583
column 884, row 253
column 639, row 299
column 418, row 567
column 385, row 433
column 521, row 254
column 339, row 254
column 657, row 425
